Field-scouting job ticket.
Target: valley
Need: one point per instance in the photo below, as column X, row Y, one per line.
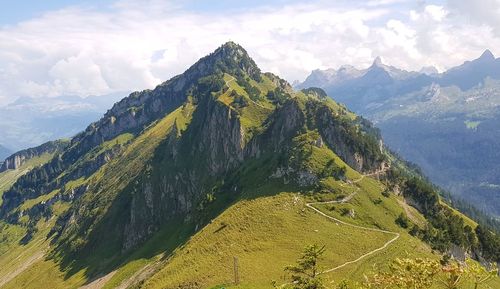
column 443, row 122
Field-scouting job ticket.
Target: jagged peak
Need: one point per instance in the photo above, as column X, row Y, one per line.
column 377, row 62
column 487, row 55
column 231, row 48
column 227, row 58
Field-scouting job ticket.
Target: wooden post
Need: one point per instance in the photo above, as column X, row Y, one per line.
column 236, row 273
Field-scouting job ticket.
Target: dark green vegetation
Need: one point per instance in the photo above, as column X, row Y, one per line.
column 446, row 123
column 173, row 183
column 305, row 274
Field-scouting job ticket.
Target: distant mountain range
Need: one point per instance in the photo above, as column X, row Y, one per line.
column 29, row 122
column 447, row 123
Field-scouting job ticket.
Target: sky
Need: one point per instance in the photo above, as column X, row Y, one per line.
column 67, row 47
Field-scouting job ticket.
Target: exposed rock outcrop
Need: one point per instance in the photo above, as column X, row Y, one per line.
column 16, row 160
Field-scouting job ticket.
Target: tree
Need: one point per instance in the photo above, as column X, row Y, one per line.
column 305, row 272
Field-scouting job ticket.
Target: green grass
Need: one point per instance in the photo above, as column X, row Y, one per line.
column 31, row 202
column 25, row 266
column 266, row 234
column 47, row 273
column 119, row 140
column 253, row 115
column 9, row 177
column 370, row 207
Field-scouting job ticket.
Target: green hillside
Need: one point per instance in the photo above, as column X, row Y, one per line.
column 222, row 162
column 9, row 177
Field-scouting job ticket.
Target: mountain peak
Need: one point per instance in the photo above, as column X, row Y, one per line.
column 487, row 55
column 229, row 58
column 429, row 70
column 377, row 61
column 231, row 48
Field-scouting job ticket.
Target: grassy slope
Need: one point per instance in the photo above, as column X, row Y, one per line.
column 12, row 255
column 268, row 231
column 265, row 234
column 24, row 266
column 253, row 115
column 46, row 273
column 9, row 177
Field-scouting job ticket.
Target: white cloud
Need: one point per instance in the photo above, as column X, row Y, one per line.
column 138, row 44
column 436, row 12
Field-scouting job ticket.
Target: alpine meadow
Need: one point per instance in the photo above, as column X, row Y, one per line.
column 227, row 176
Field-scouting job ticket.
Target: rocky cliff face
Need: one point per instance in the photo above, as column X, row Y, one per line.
column 352, row 143
column 190, row 165
column 16, row 160
column 212, row 149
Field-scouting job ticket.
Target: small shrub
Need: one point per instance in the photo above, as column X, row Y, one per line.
column 344, row 211
column 415, row 231
column 403, row 221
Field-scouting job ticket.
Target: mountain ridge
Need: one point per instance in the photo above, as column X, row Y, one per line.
column 164, row 168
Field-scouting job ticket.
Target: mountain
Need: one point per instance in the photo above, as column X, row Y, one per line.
column 429, row 70
column 4, row 152
column 28, row 122
column 377, row 73
column 471, row 73
column 319, row 78
column 221, row 175
column 445, row 123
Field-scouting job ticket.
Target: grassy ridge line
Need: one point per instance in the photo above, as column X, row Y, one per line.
column 231, row 79
column 346, row 199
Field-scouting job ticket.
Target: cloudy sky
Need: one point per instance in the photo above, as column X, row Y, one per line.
column 69, row 47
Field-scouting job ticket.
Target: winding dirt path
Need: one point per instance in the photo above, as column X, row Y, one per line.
column 344, row 200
